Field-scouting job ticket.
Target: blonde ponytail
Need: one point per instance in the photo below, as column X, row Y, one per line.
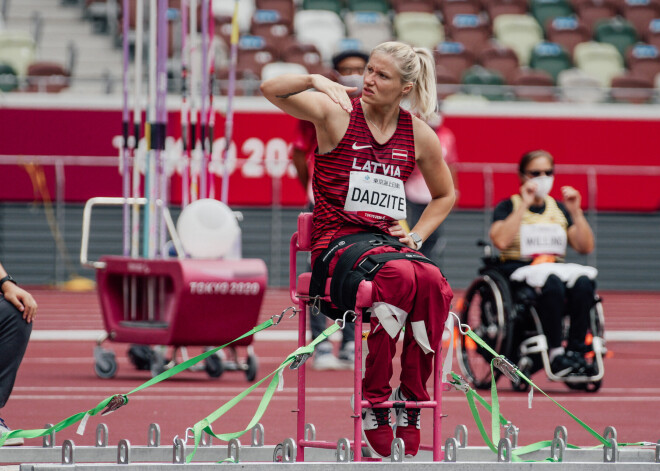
column 416, row 65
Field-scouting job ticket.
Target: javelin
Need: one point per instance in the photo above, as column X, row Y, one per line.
column 229, row 121
column 203, row 189
column 137, row 120
column 161, row 118
column 194, row 118
column 125, row 119
column 185, row 109
column 151, row 186
column 211, row 121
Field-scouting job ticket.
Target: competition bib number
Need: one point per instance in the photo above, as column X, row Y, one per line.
column 538, row 239
column 376, row 196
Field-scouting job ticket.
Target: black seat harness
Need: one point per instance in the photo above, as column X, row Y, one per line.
column 347, row 275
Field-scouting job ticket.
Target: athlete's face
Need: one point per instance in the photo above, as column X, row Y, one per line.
column 382, row 81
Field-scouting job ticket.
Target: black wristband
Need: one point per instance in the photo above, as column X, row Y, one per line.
column 7, row 278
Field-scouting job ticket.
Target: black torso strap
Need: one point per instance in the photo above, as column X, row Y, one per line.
column 347, row 275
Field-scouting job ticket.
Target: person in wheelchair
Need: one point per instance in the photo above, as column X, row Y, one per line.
column 367, row 149
column 532, row 229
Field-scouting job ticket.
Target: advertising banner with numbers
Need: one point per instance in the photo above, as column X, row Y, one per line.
column 607, row 156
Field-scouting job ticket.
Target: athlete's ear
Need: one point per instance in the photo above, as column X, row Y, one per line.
column 407, row 88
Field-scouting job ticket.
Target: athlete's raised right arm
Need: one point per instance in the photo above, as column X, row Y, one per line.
column 291, row 94
column 329, row 110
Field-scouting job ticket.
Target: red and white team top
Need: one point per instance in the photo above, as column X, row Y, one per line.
column 359, row 185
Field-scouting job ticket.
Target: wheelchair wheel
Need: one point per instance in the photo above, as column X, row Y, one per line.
column 486, row 310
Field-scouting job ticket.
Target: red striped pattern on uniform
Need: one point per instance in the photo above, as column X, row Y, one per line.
column 357, row 148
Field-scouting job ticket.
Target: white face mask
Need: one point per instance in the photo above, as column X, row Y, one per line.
column 543, row 185
column 354, row 80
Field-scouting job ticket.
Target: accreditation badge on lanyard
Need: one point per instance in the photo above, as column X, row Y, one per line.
column 375, row 196
column 541, row 239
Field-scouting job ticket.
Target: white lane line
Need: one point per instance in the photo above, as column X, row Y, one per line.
column 291, row 397
column 289, row 335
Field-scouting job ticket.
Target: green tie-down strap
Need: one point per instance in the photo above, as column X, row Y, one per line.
column 112, row 403
column 494, row 409
column 292, row 358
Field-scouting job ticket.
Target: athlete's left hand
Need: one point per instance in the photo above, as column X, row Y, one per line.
column 398, row 231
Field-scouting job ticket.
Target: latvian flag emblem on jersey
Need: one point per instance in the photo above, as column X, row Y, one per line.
column 398, row 154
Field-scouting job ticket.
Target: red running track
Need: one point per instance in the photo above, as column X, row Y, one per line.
column 57, row 380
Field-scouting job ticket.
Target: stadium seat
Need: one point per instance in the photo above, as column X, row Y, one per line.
column 568, row 32
column 378, row 6
column 447, row 81
column 593, row 11
column 420, row 6
column 617, row 32
column 276, row 30
column 644, row 60
column 520, row 32
column 481, row 81
column 225, row 8
column 501, row 59
column 419, row 29
column 253, row 54
column 8, row 78
column 534, row 85
column 461, row 97
column 453, row 57
column 334, row 6
column 546, row 10
column 601, row 60
column 640, row 12
column 18, row 49
column 578, row 86
column 628, row 88
column 285, row 8
column 322, row 28
column 470, row 30
column 551, row 58
column 653, row 33
column 47, row 77
column 496, row 8
column 275, row 69
column 370, row 27
column 305, row 54
column 451, row 8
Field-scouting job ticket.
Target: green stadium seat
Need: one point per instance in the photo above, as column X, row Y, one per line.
column 481, row 81
column 330, row 5
column 380, row 6
column 550, row 57
column 546, row 10
column 8, row 78
column 618, row 32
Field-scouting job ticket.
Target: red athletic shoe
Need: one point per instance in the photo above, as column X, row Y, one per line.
column 407, row 425
column 377, row 431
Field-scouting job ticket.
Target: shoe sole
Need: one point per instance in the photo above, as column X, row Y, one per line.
column 14, row 442
column 373, row 452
